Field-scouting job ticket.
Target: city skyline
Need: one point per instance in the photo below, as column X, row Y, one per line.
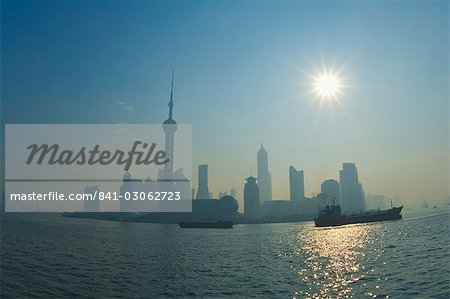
column 225, row 149
column 249, row 83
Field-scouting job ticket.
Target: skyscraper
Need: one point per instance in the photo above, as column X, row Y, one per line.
column 296, row 184
column 203, row 192
column 169, row 127
column 264, row 179
column 330, row 192
column 251, row 198
column 352, row 194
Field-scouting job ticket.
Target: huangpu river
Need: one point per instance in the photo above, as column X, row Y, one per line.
column 49, row 256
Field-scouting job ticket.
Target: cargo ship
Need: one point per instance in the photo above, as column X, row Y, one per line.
column 218, row 224
column 332, row 216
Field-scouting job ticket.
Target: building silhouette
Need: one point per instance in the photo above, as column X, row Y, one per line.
column 168, row 179
column 351, row 191
column 169, row 127
column 296, row 184
column 330, row 192
column 251, row 198
column 264, row 178
column 203, row 191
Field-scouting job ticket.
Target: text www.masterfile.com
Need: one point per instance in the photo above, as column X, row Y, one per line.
column 97, row 195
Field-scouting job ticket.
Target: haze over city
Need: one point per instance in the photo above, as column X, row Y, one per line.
column 250, row 83
column 225, row 149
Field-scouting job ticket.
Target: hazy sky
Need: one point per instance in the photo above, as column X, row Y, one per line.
column 242, row 76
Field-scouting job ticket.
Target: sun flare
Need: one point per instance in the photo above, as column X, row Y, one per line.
column 327, row 86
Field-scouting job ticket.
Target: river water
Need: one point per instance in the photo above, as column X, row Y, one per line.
column 49, row 256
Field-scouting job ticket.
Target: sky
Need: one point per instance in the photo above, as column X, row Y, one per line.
column 243, row 76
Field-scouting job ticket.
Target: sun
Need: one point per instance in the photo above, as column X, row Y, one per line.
column 327, row 86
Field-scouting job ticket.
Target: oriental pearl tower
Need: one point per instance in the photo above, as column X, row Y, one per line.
column 169, row 127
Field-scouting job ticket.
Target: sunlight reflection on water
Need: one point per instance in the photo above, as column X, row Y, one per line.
column 333, row 259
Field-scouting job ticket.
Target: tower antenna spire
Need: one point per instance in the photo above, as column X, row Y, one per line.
column 171, row 97
column 169, row 128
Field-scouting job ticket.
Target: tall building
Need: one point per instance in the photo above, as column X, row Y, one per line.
column 264, row 179
column 203, row 191
column 251, row 198
column 352, row 194
column 330, row 192
column 296, row 184
column 169, row 127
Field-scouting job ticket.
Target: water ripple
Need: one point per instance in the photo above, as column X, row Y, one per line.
column 47, row 256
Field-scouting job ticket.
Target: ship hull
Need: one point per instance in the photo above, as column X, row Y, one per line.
column 337, row 220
